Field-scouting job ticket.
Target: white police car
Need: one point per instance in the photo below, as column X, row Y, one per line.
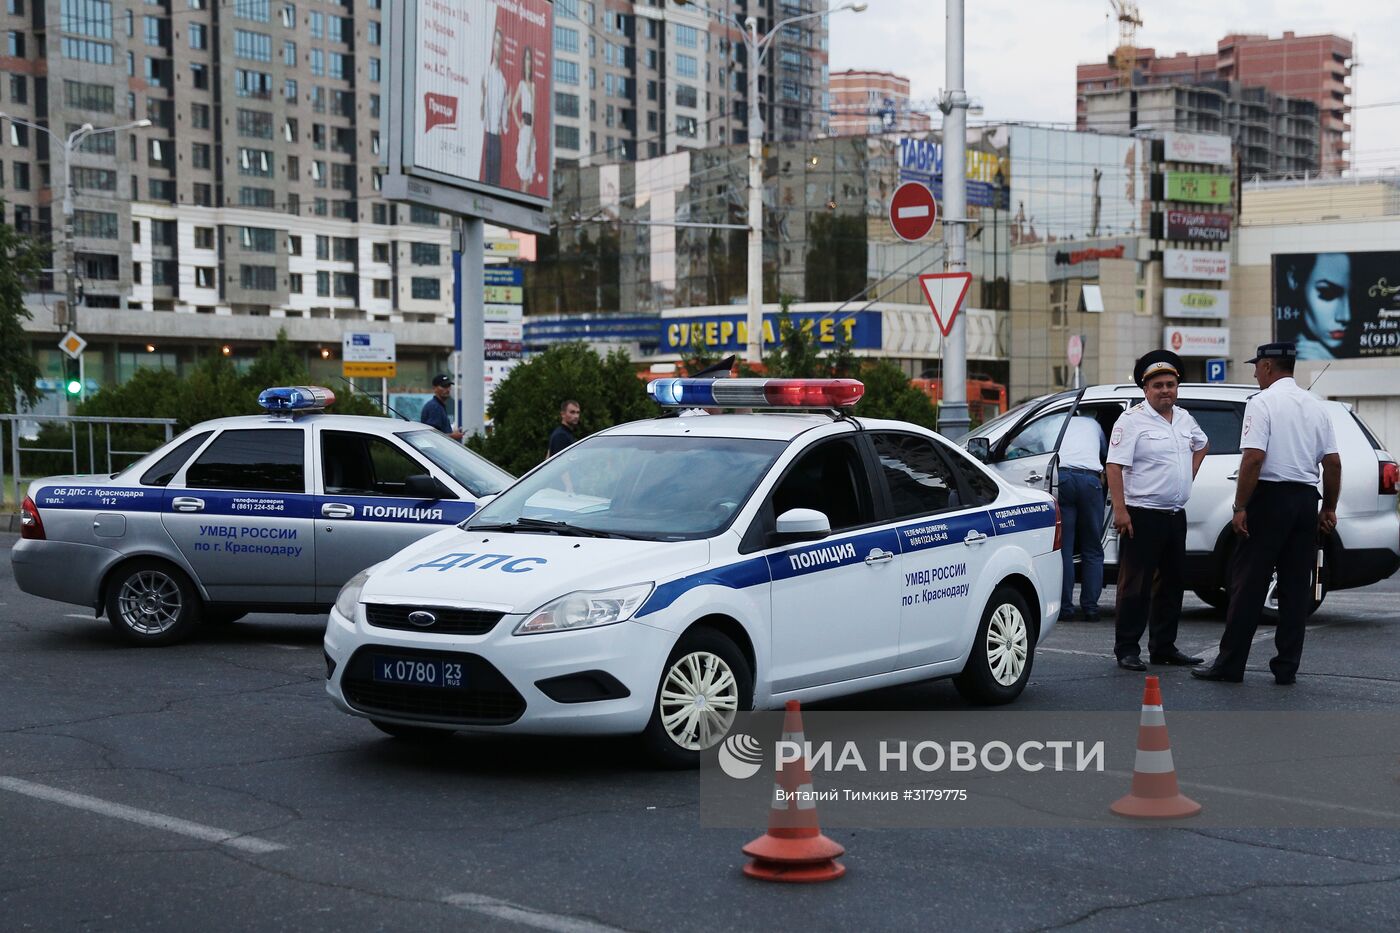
column 265, row 512
column 661, row 575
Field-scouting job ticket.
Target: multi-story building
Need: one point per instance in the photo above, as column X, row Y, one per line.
column 253, row 193
column 866, row 103
column 1274, row 135
column 1311, row 68
column 639, row 80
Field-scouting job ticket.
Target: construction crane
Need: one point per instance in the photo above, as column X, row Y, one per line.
column 1125, row 56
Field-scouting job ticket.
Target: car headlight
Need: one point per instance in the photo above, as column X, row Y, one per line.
column 586, row 609
column 349, row 596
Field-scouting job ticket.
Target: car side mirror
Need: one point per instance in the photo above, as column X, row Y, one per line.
column 801, row 525
column 424, row 486
column 980, row 448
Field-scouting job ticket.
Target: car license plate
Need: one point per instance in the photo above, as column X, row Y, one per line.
column 417, row 672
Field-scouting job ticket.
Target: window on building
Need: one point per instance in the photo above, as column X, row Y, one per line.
column 289, row 16
column 204, row 277
column 254, row 124
column 199, row 76
column 294, row 284
column 380, row 251
column 372, row 32
column 338, row 27
column 565, row 39
column 255, row 163
column 256, row 197
column 317, row 22
column 426, row 289
column 203, row 195
column 343, row 66
column 154, row 30
column 200, row 155
column 381, row 288
column 346, row 284
column 259, row 11
column 565, row 137
column 100, row 98
column 258, row 278
column 198, row 36
column 289, row 91
column 252, row 84
column 293, row 168
column 566, row 105
column 258, row 239
column 686, row 96
column 425, row 254
column 686, row 127
column 293, row 246
column 323, row 248
column 94, row 179
column 317, row 60
column 565, row 72
column 203, row 237
column 19, row 89
column 199, row 117
column 687, row 66
column 98, row 225
column 14, row 44
column 687, row 36
column 323, row 284
column 20, row 176
column 375, row 70
column 344, row 249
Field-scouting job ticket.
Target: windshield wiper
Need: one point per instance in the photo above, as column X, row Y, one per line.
column 543, row 524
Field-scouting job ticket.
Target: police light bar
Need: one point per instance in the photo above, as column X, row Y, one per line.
column 756, row 393
column 296, row 398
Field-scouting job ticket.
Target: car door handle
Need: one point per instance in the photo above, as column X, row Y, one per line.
column 187, row 504
column 337, row 510
column 1233, row 476
column 974, row 538
column 878, row 556
column 1034, row 477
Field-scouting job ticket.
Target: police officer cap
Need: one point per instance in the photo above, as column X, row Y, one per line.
column 1274, row 351
column 442, row 379
column 1158, row 361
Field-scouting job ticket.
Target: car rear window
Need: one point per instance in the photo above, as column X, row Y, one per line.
column 1371, row 438
column 1220, row 420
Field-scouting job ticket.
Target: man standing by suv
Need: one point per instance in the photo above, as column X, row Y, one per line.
column 1286, row 435
column 1153, row 456
column 435, row 409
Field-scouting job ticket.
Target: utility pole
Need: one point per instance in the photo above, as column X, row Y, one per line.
column 952, row 416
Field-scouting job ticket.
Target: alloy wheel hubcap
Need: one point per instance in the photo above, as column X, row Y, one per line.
column 699, row 700
column 1008, row 644
column 149, row 602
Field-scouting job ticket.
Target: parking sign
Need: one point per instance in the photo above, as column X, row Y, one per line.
column 1216, row 369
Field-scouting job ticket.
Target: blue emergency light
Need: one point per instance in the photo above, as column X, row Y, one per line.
column 295, row 398
column 756, row 393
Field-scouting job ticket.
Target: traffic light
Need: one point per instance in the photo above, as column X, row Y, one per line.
column 72, row 384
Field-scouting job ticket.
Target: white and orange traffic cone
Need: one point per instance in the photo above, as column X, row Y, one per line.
column 794, row 848
column 1155, row 794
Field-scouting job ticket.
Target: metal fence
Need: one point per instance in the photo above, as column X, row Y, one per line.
column 99, row 445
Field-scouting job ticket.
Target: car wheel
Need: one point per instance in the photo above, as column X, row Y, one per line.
column 704, row 685
column 151, row 602
column 412, row 733
column 1213, row 596
column 1002, row 654
column 1270, row 614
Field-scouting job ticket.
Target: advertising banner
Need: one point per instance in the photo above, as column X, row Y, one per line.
column 1197, row 147
column 988, row 174
column 724, row 332
column 1197, row 341
column 1338, row 305
column 1195, row 302
column 1195, row 264
column 1198, row 226
column 479, row 95
column 1198, row 187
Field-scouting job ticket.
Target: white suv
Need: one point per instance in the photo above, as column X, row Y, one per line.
column 1022, row 445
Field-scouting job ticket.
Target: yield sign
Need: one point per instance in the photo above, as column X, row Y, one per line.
column 912, row 211
column 945, row 292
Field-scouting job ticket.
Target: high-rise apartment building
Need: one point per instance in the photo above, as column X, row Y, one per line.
column 254, row 190
column 865, row 103
column 638, row 80
column 1311, row 68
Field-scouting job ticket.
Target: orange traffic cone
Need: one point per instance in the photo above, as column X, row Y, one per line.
column 794, row 848
column 1155, row 794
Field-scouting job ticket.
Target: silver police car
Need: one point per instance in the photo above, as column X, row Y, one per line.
column 268, row 513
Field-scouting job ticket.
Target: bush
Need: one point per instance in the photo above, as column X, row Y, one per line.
column 525, row 406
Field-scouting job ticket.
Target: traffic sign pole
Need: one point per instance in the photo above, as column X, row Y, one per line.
column 952, row 415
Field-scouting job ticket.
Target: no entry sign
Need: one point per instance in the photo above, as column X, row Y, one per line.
column 912, row 211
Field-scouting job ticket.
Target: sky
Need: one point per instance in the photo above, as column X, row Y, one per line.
column 1021, row 54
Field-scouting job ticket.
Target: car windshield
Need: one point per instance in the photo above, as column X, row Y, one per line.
column 1000, row 422
column 659, row 488
column 480, row 476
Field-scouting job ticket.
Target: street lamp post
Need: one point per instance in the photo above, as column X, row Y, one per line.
column 70, row 260
column 953, row 415
column 757, row 51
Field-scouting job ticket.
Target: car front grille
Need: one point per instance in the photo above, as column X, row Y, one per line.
column 486, row 699
column 449, row 620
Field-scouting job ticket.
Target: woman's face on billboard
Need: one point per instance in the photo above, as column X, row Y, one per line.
column 1327, row 300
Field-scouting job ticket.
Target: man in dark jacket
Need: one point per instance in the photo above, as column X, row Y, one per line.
column 435, row 411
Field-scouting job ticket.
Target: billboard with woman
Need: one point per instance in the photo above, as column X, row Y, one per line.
column 1338, row 305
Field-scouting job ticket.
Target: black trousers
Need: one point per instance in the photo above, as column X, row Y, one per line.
column 1282, row 520
column 1150, row 566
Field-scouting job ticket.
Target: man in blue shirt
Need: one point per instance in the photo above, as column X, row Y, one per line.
column 435, row 408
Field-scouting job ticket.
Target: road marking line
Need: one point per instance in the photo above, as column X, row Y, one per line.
column 78, row 615
column 1082, row 654
column 1279, row 798
column 526, row 916
column 143, row 817
column 919, row 211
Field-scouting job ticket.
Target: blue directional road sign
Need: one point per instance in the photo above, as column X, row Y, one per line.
column 1215, row 370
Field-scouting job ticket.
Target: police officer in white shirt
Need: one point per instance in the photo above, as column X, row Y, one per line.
column 1286, row 435
column 1081, row 515
column 1153, row 455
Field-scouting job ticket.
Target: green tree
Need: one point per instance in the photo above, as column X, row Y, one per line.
column 525, row 406
column 21, row 261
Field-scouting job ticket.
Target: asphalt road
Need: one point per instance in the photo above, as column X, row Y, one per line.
column 213, row 785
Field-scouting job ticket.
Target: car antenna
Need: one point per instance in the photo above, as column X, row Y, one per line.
column 381, row 404
column 1318, row 376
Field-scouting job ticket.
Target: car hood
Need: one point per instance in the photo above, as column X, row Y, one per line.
column 518, row 573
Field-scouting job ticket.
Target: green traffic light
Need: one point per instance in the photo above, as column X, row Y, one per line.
column 74, row 387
